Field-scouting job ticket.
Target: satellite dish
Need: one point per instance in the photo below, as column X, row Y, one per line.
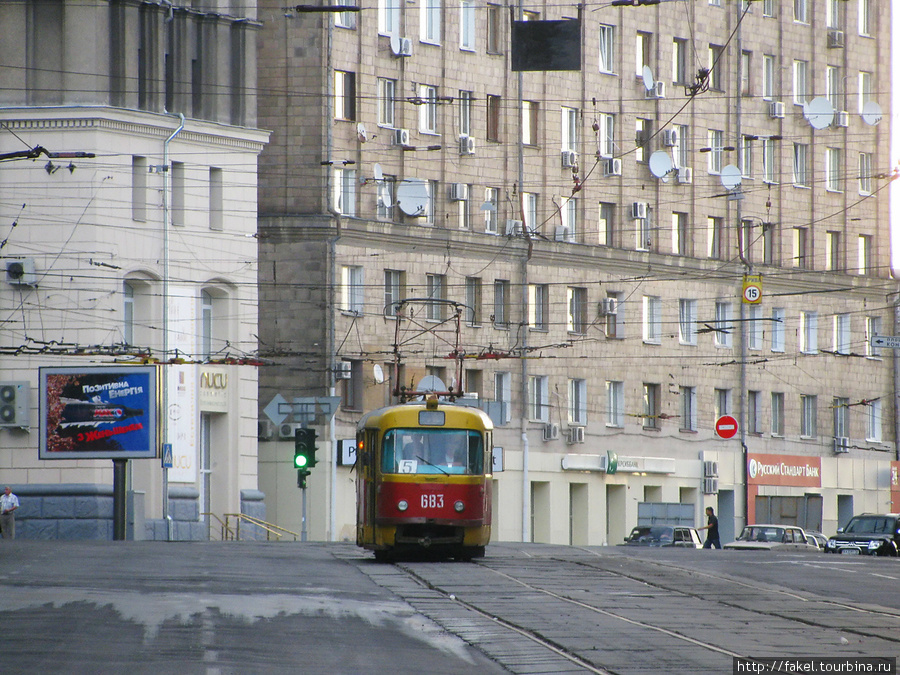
column 647, row 77
column 431, row 383
column 871, row 113
column 730, row 176
column 819, row 112
column 413, row 197
column 377, row 172
column 379, row 374
column 395, row 44
column 660, row 163
column 361, row 132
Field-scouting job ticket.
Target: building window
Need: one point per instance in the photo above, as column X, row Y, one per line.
column 652, row 319
column 865, row 173
column 864, row 257
column 688, row 408
column 386, row 96
column 569, row 130
column 841, row 333
column 754, row 412
column 344, row 95
column 606, row 37
column 465, row 113
column 687, row 322
column 680, row 237
column 801, row 85
column 529, row 209
column 833, row 87
column 768, row 160
column 467, row 25
column 538, row 398
column 746, row 61
column 723, row 326
column 768, row 8
column 430, row 21
column 865, row 89
column 577, row 401
column 529, row 123
column 606, row 135
column 538, row 306
column 841, row 407
column 503, row 395
column 768, row 77
column 777, row 414
column 216, row 198
column 680, row 61
column 809, row 327
column 746, row 239
column 128, row 322
column 206, row 324
column 494, row 29
column 568, row 212
column 473, row 301
column 615, row 404
column 769, row 242
column 490, row 208
column 778, row 329
column 178, row 179
column 716, row 68
column 576, row 317
column 139, row 193
column 352, row 391
column 501, row 303
column 493, row 118
column 747, row 156
column 605, row 224
column 650, row 412
column 755, row 327
column 389, row 17
column 615, row 319
column 833, row 251
column 873, row 328
column 463, row 212
column 435, row 291
column 642, row 52
column 716, row 150
column 800, row 11
column 344, row 189
column 801, row 165
column 808, row 416
column 352, row 289
column 833, row 169
column 721, row 402
column 681, row 152
column 800, row 258
column 865, row 17
column 714, row 225
column 394, row 289
column 345, row 19
column 873, row 421
column 833, row 20
column 385, row 199
column 643, row 130
column 428, row 109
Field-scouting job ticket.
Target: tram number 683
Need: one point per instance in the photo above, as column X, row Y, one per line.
column 432, row 501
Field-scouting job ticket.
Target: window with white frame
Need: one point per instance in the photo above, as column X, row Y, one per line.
column 768, row 160
column 778, row 330
column 501, row 303
column 865, row 89
column 643, row 237
column 128, row 307
column 394, row 290
column 840, row 407
column 833, row 17
column 463, row 210
column 755, row 327
column 606, row 230
column 687, row 321
column 606, row 38
column 529, row 123
column 344, row 191
column 841, row 342
column 768, row 76
column 435, row 292
column 352, row 289
column 801, row 165
column 714, row 236
column 801, row 85
column 642, row 52
column 615, row 321
column 651, row 405
column 606, row 135
column 430, row 21
column 833, row 82
column 680, row 235
column 577, row 401
column 768, row 8
column 833, row 251
column 389, row 17
column 576, row 316
column 873, row 328
column 747, row 156
column 529, row 209
column 721, row 402
column 491, row 208
column 652, row 319
column 873, row 421
column 754, row 412
column 809, row 332
column 538, row 398
column 801, row 249
column 538, row 306
column 833, row 169
column 865, row 17
column 808, row 405
column 769, row 243
column 746, row 65
column 747, row 238
column 467, row 25
column 569, row 214
column 680, row 61
column 776, row 414
column 688, row 403
column 473, row 301
column 428, row 109
column 569, row 130
column 723, row 325
column 716, row 144
column 494, row 28
column 716, row 65
column 681, row 151
column 801, row 11
column 465, row 113
column 864, row 254
column 643, row 130
column 503, row 395
column 615, row 404
column 865, row 173
column 386, row 96
column 344, row 95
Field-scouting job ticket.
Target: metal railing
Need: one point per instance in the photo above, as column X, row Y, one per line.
column 269, row 528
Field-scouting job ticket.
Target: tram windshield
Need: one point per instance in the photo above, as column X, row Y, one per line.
column 448, row 451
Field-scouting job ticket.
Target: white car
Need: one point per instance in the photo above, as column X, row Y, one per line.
column 771, row 537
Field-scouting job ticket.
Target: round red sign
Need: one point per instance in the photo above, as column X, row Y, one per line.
column 726, row 426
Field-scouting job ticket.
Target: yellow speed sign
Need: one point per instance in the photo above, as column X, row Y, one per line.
column 753, row 289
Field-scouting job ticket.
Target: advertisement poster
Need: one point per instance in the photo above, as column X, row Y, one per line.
column 106, row 412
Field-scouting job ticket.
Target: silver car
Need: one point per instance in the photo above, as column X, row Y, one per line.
column 771, row 537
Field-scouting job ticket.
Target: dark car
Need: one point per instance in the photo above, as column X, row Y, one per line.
column 868, row 534
column 664, row 535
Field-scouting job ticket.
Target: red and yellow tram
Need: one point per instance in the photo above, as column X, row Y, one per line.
column 424, row 480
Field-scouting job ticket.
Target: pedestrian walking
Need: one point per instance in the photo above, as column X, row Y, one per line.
column 8, row 505
column 712, row 530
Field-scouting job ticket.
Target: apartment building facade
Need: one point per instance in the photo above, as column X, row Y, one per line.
column 596, row 231
column 129, row 140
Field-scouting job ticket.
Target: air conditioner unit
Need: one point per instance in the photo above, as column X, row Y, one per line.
column 685, row 175
column 404, row 47
column 710, row 486
column 551, row 432
column 835, row 38
column 562, row 233
column 638, row 210
column 609, row 306
column 513, row 227
column 710, row 469
column 670, row 137
column 401, row 137
column 613, row 167
column 286, row 430
column 14, row 404
column 459, row 192
column 841, row 444
column 658, row 90
column 20, row 272
column 342, row 370
column 569, row 159
column 841, row 118
column 574, row 435
column 265, row 430
column 776, row 110
column 466, row 145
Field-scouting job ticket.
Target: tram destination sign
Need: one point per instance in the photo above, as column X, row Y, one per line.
column 887, row 341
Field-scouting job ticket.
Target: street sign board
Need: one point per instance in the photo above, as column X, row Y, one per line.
column 167, row 456
column 752, row 289
column 726, row 426
column 887, row 341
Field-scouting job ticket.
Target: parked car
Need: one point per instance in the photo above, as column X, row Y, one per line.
column 817, row 539
column 664, row 535
column 771, row 537
column 868, row 534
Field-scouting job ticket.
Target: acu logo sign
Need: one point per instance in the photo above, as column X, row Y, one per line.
column 213, row 389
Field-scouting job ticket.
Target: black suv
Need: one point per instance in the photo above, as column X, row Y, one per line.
column 868, row 534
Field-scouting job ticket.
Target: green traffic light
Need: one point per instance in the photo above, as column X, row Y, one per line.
column 300, row 461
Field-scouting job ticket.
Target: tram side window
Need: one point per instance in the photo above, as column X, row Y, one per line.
column 448, row 451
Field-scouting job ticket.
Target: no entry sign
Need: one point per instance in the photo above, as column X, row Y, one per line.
column 726, row 426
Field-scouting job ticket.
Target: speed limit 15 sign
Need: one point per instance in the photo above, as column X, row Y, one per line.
column 752, row 289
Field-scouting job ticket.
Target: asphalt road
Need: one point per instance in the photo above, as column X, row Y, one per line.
column 231, row 608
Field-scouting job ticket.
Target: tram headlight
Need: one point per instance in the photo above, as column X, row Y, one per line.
column 402, row 505
column 458, row 506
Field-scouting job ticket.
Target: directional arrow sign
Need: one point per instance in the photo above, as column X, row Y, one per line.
column 888, row 341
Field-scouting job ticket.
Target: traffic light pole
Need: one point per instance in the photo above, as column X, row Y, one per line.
column 303, row 515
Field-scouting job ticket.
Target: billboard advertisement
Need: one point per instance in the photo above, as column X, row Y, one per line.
column 106, row 412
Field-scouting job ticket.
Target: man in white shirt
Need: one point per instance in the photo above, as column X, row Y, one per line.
column 8, row 505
